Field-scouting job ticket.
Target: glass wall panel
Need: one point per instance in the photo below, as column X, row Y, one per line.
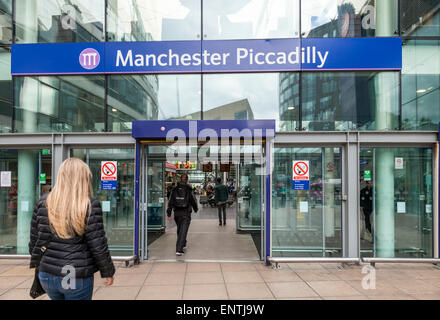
column 59, row 104
column 420, row 17
column 117, row 205
column 5, row 21
column 153, row 20
column 349, row 18
column 396, row 201
column 421, row 85
column 307, row 223
column 59, row 21
column 249, row 96
column 250, row 19
column 152, row 97
column 5, row 91
column 350, row 101
column 26, row 175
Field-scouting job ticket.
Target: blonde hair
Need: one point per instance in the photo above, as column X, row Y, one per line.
column 68, row 203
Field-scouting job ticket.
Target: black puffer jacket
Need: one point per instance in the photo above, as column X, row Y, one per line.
column 87, row 254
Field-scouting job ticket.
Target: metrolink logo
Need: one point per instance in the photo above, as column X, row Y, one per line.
column 89, row 58
column 207, row 146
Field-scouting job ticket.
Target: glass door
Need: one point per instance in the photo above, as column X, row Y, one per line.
column 307, row 202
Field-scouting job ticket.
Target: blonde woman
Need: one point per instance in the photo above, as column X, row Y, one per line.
column 68, row 242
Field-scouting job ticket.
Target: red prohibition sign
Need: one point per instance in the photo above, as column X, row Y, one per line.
column 301, row 171
column 110, row 167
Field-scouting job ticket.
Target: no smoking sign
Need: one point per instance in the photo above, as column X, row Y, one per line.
column 301, row 175
column 109, row 175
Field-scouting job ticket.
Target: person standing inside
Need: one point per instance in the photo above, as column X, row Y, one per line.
column 221, row 196
column 67, row 237
column 182, row 202
column 367, row 204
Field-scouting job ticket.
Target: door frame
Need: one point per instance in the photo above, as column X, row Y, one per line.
column 145, row 131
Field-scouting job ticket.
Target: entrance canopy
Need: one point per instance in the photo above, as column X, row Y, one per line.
column 157, row 129
column 253, row 140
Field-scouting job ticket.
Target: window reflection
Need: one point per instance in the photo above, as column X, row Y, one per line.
column 5, row 21
column 420, row 18
column 5, row 91
column 153, row 20
column 152, row 97
column 250, row 19
column 241, row 96
column 59, row 104
column 348, row 18
column 421, row 85
column 59, row 21
column 350, row 101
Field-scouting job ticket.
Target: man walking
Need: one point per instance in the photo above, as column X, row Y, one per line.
column 181, row 201
column 221, row 195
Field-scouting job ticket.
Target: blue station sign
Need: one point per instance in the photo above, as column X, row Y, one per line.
column 273, row 55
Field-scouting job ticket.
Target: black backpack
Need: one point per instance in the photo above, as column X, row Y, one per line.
column 181, row 197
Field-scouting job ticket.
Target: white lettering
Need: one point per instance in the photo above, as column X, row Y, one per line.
column 257, row 61
column 128, row 58
column 323, row 59
column 268, row 61
column 241, row 54
column 216, row 59
column 159, row 59
column 139, row 60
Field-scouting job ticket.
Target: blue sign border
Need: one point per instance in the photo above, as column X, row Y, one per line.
column 222, row 56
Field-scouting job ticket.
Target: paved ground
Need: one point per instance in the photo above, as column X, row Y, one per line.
column 191, row 280
column 206, row 241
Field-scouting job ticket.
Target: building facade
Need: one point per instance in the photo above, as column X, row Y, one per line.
column 356, row 128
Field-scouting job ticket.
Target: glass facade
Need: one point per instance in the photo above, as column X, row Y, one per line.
column 59, row 104
column 117, row 205
column 305, row 101
column 26, row 176
column 305, row 223
column 347, row 18
column 39, row 21
column 396, row 202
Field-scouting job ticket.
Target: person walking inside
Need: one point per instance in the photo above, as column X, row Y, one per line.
column 367, row 204
column 182, row 201
column 67, row 238
column 221, row 196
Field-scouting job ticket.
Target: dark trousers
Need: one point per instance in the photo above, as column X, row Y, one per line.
column 220, row 208
column 367, row 215
column 182, row 222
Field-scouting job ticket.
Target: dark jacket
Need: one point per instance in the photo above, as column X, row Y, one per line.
column 182, row 211
column 87, row 254
column 367, row 199
column 221, row 193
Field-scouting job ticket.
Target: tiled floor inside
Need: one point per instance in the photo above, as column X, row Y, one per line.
column 207, row 280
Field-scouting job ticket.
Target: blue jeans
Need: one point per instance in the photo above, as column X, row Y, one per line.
column 54, row 288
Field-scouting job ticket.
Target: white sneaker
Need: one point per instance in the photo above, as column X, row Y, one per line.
column 179, row 253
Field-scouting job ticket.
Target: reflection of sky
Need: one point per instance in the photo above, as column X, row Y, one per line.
column 261, row 90
column 318, row 12
column 188, row 93
column 89, row 11
column 264, row 18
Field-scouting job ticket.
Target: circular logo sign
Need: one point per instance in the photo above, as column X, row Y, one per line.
column 89, row 58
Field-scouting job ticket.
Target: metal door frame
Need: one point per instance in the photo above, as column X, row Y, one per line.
column 145, row 131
